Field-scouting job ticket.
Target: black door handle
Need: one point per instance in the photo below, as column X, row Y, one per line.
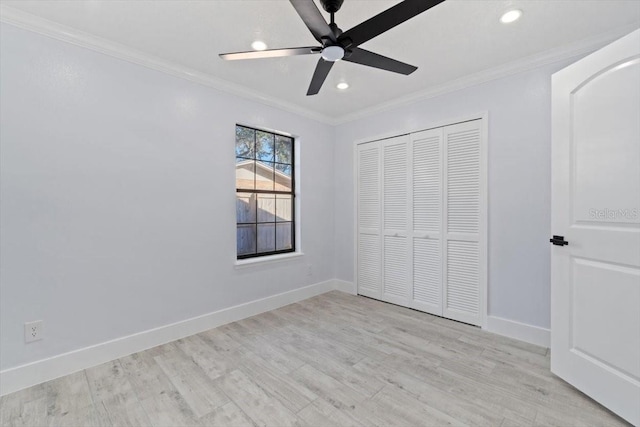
column 559, row 241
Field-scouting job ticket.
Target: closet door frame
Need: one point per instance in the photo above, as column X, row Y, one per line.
column 484, row 196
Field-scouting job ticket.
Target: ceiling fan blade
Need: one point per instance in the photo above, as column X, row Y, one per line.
column 313, row 19
column 370, row 59
column 270, row 53
column 386, row 20
column 319, row 76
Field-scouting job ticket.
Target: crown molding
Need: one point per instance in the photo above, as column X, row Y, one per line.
column 548, row 57
column 52, row 29
column 71, row 35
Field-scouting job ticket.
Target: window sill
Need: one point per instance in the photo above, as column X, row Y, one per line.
column 250, row 262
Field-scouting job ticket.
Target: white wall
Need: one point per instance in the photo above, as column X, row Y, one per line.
column 118, row 202
column 519, row 109
column 117, row 195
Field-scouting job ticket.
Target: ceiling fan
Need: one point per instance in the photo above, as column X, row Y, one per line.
column 337, row 44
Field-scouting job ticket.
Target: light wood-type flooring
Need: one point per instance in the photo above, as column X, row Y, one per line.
column 332, row 360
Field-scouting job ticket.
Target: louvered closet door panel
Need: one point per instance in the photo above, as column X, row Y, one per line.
column 396, row 273
column 427, row 220
column 369, row 250
column 395, row 213
column 427, row 181
column 369, row 265
column 463, row 179
column 427, row 277
column 394, row 165
column 369, row 186
column 462, row 276
column 462, row 191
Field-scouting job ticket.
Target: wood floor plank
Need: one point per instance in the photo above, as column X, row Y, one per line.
column 218, row 340
column 365, row 385
column 196, row 389
column 262, row 408
column 211, row 360
column 272, row 352
column 293, row 395
column 122, row 412
column 322, row 413
column 229, row 415
column 145, row 375
column 68, row 395
column 331, row 360
column 409, row 406
column 449, row 403
column 34, row 413
column 168, row 409
column 333, row 391
column 109, row 380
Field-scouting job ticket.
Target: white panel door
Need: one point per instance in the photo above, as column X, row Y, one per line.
column 463, row 218
column 426, row 237
column 396, row 252
column 595, row 279
column 369, row 251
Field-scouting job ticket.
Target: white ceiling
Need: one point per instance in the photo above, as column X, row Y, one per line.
column 454, row 40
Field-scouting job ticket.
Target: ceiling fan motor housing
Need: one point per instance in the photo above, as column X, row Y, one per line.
column 331, row 6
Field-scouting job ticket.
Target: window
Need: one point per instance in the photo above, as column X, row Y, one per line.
column 265, row 193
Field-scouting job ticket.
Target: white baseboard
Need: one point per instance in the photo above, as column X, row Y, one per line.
column 520, row 331
column 30, row 374
column 344, row 286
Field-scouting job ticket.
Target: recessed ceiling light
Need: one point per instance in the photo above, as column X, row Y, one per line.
column 342, row 85
column 258, row 45
column 511, row 16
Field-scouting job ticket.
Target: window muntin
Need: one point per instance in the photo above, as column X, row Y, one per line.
column 265, row 193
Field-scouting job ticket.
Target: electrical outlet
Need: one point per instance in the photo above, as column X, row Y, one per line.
column 309, row 270
column 33, row 331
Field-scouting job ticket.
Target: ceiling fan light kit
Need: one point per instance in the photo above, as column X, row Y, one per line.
column 338, row 45
column 332, row 53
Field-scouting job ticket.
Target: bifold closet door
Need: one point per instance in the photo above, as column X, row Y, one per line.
column 420, row 221
column 369, row 251
column 396, row 254
column 464, row 213
column 426, row 239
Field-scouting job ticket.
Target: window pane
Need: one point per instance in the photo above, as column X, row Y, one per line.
column 264, row 146
column 284, row 149
column 283, row 177
column 246, row 237
column 283, row 208
column 245, row 207
column 245, row 142
column 264, row 175
column 266, row 237
column 245, row 175
column 284, row 236
column 266, row 207
column 264, row 165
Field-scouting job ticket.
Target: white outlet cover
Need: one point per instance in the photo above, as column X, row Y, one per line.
column 33, row 331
